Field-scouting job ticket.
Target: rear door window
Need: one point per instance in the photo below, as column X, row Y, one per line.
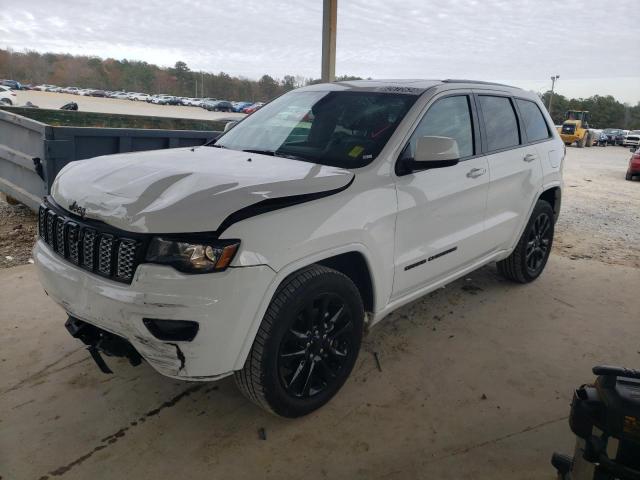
column 500, row 122
column 534, row 124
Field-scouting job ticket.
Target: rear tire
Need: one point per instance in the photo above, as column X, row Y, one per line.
column 582, row 142
column 628, row 176
column 528, row 259
column 307, row 343
column 7, row 101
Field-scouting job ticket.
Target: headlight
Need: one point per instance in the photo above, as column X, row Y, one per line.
column 192, row 256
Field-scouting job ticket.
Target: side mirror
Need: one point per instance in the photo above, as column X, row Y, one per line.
column 230, row 125
column 434, row 152
column 431, row 152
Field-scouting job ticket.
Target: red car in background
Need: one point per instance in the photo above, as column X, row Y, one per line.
column 634, row 165
column 253, row 107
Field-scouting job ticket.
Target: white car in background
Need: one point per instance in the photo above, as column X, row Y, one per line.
column 139, row 97
column 120, row 95
column 191, row 102
column 632, row 139
column 161, row 99
column 85, row 92
column 7, row 96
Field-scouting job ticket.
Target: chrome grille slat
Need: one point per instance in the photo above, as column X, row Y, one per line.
column 59, row 228
column 105, row 252
column 42, row 223
column 73, row 242
column 90, row 248
column 126, row 258
column 51, row 220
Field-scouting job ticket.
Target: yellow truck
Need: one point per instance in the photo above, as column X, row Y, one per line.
column 575, row 128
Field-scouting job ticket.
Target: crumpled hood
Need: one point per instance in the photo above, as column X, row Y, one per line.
column 184, row 190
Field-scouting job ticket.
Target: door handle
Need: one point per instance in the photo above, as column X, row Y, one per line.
column 529, row 157
column 476, row 172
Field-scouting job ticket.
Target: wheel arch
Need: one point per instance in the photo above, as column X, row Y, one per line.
column 352, row 260
column 354, row 265
column 553, row 196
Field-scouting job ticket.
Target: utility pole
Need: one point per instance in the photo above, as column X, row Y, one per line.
column 329, row 23
column 553, row 84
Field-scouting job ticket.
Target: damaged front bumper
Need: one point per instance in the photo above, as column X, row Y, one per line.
column 224, row 306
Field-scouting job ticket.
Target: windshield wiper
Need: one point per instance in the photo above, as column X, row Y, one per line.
column 274, row 153
column 261, row 152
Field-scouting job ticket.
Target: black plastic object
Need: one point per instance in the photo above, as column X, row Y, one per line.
column 601, row 413
column 172, row 330
column 70, row 106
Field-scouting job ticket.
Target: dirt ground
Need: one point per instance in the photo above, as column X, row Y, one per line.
column 18, row 229
column 600, row 209
column 113, row 105
column 474, row 382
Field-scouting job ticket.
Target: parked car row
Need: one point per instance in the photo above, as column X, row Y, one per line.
column 211, row 104
column 614, row 136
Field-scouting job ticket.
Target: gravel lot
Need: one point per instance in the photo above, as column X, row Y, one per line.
column 600, row 209
column 113, row 105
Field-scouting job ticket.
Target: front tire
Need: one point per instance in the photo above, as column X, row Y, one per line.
column 528, row 259
column 307, row 343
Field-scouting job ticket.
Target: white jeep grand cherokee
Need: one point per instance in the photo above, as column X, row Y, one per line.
column 264, row 253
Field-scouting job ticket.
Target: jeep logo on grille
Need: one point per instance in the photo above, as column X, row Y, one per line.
column 74, row 207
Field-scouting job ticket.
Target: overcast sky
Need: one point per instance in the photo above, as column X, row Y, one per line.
column 594, row 45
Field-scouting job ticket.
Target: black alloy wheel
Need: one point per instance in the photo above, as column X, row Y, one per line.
column 316, row 347
column 307, row 343
column 538, row 243
column 529, row 257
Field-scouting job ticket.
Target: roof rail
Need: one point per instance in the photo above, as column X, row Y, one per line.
column 480, row 82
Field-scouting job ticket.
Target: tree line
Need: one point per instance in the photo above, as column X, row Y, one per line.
column 605, row 111
column 137, row 76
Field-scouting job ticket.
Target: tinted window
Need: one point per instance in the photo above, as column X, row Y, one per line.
column 534, row 123
column 500, row 122
column 449, row 117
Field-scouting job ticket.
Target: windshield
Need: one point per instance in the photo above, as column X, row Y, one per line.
column 345, row 129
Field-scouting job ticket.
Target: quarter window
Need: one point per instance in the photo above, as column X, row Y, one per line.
column 534, row 124
column 500, row 122
column 448, row 117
